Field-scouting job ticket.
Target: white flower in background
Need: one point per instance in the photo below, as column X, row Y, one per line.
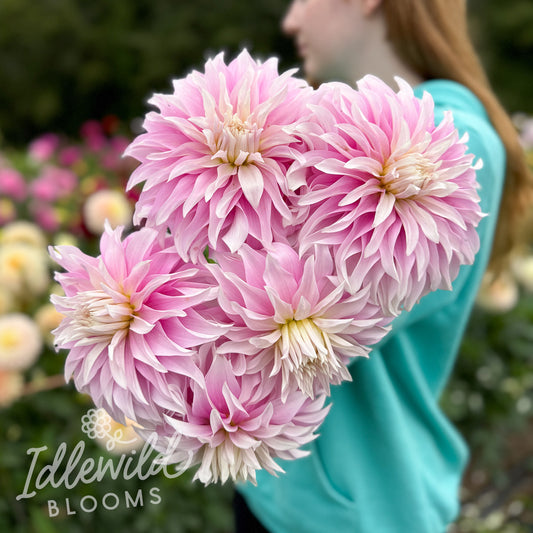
column 113, row 436
column 107, row 205
column 48, row 318
column 24, row 269
column 11, row 387
column 23, row 232
column 499, row 295
column 522, row 268
column 20, row 341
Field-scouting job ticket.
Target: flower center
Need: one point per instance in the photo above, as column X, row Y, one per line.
column 96, row 314
column 305, row 351
column 408, row 176
column 9, row 339
column 238, row 142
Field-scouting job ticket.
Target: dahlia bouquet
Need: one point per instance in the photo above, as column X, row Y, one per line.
column 280, row 231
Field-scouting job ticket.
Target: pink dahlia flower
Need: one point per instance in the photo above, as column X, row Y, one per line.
column 12, row 184
column 215, row 157
column 236, row 423
column 53, row 183
column 132, row 316
column 44, row 147
column 393, row 193
column 294, row 316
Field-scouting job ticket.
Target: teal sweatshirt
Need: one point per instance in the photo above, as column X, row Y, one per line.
column 387, row 459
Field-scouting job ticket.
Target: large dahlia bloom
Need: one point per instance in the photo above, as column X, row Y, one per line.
column 391, row 192
column 214, row 159
column 133, row 316
column 236, row 423
column 294, row 316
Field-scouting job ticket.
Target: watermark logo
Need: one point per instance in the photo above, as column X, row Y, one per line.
column 97, row 424
column 70, row 468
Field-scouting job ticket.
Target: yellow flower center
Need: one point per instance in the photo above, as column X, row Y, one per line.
column 96, row 314
column 237, row 141
column 16, row 261
column 304, row 350
column 408, row 176
column 9, row 339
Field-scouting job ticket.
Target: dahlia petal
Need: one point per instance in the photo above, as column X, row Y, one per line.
column 411, row 226
column 243, row 440
column 331, row 166
column 446, row 211
column 226, row 202
column 426, row 223
column 384, row 209
column 140, row 326
column 251, row 181
column 237, row 233
column 282, row 309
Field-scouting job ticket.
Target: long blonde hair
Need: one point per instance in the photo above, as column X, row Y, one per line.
column 432, row 37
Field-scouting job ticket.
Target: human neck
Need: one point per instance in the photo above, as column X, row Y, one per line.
column 379, row 58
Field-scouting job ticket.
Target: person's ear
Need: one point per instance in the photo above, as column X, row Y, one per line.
column 370, row 6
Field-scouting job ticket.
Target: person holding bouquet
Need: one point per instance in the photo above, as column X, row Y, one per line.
column 387, row 460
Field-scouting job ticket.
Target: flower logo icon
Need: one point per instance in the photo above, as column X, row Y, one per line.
column 98, row 425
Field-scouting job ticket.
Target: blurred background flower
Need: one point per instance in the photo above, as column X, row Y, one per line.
column 111, row 205
column 20, row 341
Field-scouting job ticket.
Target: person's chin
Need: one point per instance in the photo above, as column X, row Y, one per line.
column 311, row 72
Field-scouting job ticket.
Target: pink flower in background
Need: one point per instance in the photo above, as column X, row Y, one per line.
column 93, row 134
column 112, row 158
column 396, row 195
column 235, row 423
column 214, row 158
column 294, row 316
column 54, row 183
column 132, row 316
column 44, row 147
column 12, row 184
column 70, row 155
column 45, row 216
